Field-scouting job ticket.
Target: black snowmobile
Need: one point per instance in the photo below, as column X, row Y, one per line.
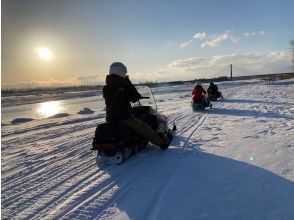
column 213, row 93
column 117, row 142
column 213, row 96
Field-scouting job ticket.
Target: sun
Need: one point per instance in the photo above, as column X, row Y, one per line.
column 44, row 53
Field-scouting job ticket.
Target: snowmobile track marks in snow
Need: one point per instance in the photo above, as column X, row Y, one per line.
column 106, row 189
column 201, row 120
column 66, row 196
column 154, row 206
column 104, row 195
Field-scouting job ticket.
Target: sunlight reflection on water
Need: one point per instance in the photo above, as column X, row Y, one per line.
column 48, row 109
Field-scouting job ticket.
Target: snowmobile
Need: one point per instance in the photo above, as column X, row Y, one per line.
column 198, row 105
column 213, row 96
column 201, row 104
column 117, row 142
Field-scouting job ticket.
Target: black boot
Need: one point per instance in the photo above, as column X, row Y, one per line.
column 167, row 140
column 164, row 146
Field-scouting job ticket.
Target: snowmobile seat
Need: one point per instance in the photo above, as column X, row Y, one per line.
column 113, row 132
column 146, row 114
column 143, row 110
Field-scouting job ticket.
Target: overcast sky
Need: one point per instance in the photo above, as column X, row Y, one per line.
column 157, row 40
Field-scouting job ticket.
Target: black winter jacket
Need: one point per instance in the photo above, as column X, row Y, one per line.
column 212, row 88
column 118, row 93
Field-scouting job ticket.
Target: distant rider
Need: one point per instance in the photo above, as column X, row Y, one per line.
column 213, row 90
column 118, row 93
column 200, row 95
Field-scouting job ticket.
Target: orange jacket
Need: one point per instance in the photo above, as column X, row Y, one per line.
column 198, row 93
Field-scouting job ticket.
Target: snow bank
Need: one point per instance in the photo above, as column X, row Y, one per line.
column 59, row 115
column 86, row 111
column 21, row 120
column 185, row 96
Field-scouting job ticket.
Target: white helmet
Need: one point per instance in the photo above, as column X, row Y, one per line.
column 118, row 68
column 197, row 83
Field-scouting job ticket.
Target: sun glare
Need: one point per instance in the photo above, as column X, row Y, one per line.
column 44, row 53
column 48, row 109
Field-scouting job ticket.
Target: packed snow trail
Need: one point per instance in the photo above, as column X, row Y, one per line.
column 229, row 162
column 51, row 167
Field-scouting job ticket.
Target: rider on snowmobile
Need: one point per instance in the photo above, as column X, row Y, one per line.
column 118, row 93
column 199, row 94
column 213, row 90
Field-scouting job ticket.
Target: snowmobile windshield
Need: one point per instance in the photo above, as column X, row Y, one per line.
column 150, row 101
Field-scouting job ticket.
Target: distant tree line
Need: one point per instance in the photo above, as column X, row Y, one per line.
column 217, row 79
column 179, row 82
column 49, row 90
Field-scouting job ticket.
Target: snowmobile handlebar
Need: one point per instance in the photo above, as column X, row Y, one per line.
column 144, row 97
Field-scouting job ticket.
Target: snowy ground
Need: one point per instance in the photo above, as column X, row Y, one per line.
column 234, row 161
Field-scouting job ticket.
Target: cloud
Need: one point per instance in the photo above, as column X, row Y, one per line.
column 217, row 40
column 255, row 63
column 212, row 41
column 89, row 79
column 39, row 83
column 261, row 32
column 252, row 34
column 200, row 36
column 208, row 67
column 189, row 63
column 185, row 44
